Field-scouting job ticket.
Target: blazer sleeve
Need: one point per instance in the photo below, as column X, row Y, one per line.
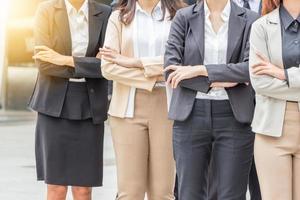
column 174, row 54
column 293, row 74
column 42, row 37
column 90, row 67
column 133, row 77
column 153, row 66
column 262, row 84
column 87, row 67
column 236, row 73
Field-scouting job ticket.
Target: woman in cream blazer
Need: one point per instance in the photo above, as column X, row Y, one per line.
column 275, row 76
column 142, row 134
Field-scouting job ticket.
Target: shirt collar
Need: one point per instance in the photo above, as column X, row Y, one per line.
column 250, row 1
column 242, row 1
column 225, row 13
column 157, row 11
column 84, row 8
column 286, row 18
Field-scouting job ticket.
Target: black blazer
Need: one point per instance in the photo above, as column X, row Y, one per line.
column 186, row 47
column 52, row 30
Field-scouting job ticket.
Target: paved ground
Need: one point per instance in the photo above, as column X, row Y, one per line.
column 17, row 166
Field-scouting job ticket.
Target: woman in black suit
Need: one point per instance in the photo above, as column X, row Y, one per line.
column 70, row 96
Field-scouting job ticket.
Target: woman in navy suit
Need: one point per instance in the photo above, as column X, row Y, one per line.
column 212, row 103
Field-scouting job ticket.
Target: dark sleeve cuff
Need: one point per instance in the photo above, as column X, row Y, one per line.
column 200, row 84
column 211, row 71
column 87, row 67
column 238, row 72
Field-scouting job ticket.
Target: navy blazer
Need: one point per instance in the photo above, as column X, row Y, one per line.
column 52, row 30
column 185, row 47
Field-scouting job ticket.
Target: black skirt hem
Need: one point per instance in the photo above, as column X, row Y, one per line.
column 69, row 184
column 69, row 152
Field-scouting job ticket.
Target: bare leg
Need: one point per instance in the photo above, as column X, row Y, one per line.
column 56, row 192
column 82, row 193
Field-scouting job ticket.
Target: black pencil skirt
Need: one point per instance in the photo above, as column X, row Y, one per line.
column 69, row 152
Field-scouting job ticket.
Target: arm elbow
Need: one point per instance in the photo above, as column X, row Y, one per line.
column 105, row 72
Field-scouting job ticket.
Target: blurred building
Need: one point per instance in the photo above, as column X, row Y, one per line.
column 17, row 77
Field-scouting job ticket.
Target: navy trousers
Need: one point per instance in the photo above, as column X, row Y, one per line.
column 212, row 134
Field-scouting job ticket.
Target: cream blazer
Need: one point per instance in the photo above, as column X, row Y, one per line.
column 271, row 93
column 120, row 38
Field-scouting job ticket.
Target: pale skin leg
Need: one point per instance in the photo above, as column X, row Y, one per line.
column 56, row 192
column 82, row 193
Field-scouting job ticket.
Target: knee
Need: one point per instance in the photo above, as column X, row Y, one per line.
column 169, row 196
column 81, row 191
column 161, row 189
column 163, row 194
column 58, row 191
column 131, row 191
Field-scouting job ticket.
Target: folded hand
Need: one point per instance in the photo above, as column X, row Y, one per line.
column 115, row 57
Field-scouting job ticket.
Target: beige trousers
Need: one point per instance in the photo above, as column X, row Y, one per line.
column 278, row 159
column 143, row 147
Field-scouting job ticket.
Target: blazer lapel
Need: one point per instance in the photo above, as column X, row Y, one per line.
column 127, row 40
column 62, row 23
column 95, row 25
column 274, row 33
column 260, row 8
column 196, row 22
column 236, row 27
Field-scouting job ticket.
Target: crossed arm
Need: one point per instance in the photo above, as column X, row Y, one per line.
column 200, row 78
column 53, row 63
column 141, row 73
column 268, row 79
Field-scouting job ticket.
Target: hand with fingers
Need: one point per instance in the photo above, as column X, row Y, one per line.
column 223, row 85
column 180, row 73
column 264, row 67
column 111, row 55
column 46, row 54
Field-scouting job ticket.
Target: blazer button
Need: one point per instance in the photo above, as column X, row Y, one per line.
column 92, row 90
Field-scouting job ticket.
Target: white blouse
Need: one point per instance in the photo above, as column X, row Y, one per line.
column 79, row 28
column 150, row 35
column 215, row 49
